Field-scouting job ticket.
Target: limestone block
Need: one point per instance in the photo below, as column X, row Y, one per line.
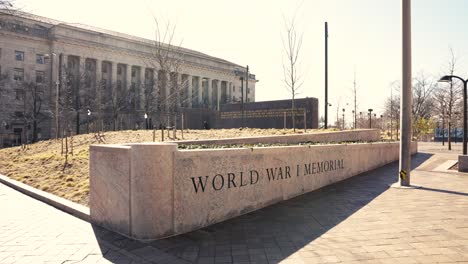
column 109, row 171
column 151, row 187
column 463, row 163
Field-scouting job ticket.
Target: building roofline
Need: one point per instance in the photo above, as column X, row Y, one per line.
column 111, row 33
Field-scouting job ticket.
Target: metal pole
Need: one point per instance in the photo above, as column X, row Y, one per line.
column 464, row 117
column 343, row 120
column 391, row 113
column 326, row 75
column 405, row 121
column 57, row 109
column 305, row 121
column 242, row 102
column 443, row 124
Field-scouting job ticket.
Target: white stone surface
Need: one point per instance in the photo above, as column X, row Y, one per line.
column 175, row 191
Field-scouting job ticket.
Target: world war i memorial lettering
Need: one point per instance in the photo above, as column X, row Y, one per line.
column 241, row 179
column 155, row 190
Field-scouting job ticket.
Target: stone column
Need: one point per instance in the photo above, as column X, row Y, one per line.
column 113, row 79
column 219, row 94
column 167, row 86
column 210, row 93
column 200, row 91
column 98, row 78
column 179, row 89
column 98, row 87
column 54, row 79
column 82, row 74
column 142, row 88
column 128, row 77
column 189, row 91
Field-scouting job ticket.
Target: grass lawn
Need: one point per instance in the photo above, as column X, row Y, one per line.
column 42, row 166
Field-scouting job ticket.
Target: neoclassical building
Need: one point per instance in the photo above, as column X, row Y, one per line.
column 41, row 51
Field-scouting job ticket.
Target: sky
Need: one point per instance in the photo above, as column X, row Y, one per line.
column 364, row 38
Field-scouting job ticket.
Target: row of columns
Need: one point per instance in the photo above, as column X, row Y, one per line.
column 200, row 91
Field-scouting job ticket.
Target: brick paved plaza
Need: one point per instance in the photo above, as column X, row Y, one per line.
column 356, row 221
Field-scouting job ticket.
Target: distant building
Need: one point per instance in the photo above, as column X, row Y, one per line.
column 40, row 57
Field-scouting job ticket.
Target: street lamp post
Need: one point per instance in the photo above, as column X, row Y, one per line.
column 146, row 120
column 242, row 101
column 360, row 119
column 448, row 78
column 354, row 119
column 87, row 121
column 343, row 125
column 370, row 117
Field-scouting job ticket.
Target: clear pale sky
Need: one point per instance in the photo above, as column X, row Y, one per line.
column 363, row 34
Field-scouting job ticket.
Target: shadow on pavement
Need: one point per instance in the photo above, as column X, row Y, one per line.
column 442, row 191
column 268, row 235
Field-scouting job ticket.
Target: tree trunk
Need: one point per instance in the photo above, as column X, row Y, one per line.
column 449, row 136
column 77, row 122
column 293, row 114
column 34, row 139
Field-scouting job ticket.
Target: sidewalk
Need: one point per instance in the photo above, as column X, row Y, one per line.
column 356, row 221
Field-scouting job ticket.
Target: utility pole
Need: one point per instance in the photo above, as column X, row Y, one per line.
column 246, row 92
column 355, row 99
column 405, row 120
column 391, row 113
column 326, row 75
column 242, row 101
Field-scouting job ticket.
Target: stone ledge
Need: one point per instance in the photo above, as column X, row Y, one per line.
column 365, row 135
column 77, row 210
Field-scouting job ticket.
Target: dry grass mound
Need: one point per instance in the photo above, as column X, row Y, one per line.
column 41, row 165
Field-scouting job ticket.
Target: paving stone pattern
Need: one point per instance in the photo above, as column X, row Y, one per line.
column 360, row 220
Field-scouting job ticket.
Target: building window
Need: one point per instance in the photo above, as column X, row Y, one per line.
column 19, row 114
column 88, row 66
column 40, row 77
column 104, row 68
column 19, row 93
column 40, row 59
column 119, row 70
column 234, row 89
column 133, row 72
column 119, row 84
column 18, row 75
column 19, row 55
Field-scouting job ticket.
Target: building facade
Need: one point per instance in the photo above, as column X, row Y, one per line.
column 56, row 75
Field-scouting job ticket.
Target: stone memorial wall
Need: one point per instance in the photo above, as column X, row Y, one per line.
column 154, row 190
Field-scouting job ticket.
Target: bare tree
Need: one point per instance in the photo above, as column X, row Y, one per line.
column 392, row 108
column 170, row 93
column 35, row 112
column 118, row 104
column 292, row 43
column 354, row 91
column 76, row 97
column 423, row 102
column 450, row 95
column 7, row 4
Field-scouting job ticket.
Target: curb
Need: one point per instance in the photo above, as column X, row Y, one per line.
column 77, row 210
